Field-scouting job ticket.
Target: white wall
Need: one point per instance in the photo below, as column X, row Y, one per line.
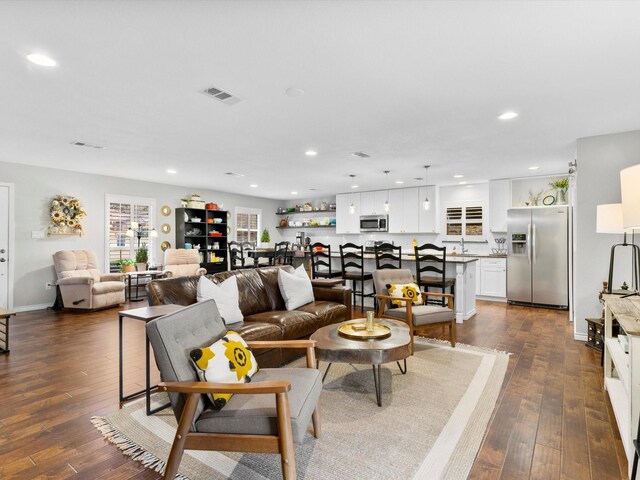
column 34, row 188
column 600, row 160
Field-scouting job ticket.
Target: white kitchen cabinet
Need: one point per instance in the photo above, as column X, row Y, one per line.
column 372, row 203
column 347, row 222
column 478, row 278
column 428, row 219
column 499, row 203
column 493, row 280
column 403, row 211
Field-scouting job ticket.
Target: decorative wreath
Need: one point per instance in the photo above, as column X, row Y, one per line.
column 67, row 212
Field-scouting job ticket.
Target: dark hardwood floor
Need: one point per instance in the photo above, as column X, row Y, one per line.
column 552, row 420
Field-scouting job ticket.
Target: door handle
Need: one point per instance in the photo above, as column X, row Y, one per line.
column 529, row 243
column 3, row 259
column 533, row 245
column 2, row 250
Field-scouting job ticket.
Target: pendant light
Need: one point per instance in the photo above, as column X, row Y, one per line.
column 352, row 207
column 386, row 203
column 426, row 204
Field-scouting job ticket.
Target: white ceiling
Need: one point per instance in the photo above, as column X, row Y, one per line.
column 411, row 83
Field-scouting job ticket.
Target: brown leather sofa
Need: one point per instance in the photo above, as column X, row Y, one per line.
column 263, row 308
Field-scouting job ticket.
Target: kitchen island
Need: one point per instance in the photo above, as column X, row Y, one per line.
column 461, row 267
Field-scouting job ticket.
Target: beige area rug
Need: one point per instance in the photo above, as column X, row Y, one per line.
column 430, row 425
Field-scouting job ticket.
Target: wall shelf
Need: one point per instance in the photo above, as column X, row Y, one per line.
column 308, row 227
column 301, row 212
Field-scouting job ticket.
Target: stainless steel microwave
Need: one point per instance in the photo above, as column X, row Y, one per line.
column 374, row 223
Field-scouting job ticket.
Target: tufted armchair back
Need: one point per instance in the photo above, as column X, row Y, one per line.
column 180, row 262
column 76, row 263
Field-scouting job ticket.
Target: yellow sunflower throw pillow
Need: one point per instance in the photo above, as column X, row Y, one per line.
column 407, row 290
column 229, row 360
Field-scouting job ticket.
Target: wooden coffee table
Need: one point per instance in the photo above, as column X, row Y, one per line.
column 332, row 347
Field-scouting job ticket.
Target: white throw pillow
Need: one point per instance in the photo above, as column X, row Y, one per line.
column 295, row 288
column 225, row 295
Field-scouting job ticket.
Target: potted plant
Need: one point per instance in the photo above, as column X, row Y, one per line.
column 265, row 238
column 127, row 265
column 561, row 185
column 142, row 257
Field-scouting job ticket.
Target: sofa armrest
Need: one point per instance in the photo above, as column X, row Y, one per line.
column 337, row 294
column 201, row 271
column 112, row 277
column 281, row 386
column 75, row 281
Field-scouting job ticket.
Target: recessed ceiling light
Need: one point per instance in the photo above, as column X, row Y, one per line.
column 458, row 176
column 355, row 186
column 311, row 153
column 41, row 60
column 294, row 92
column 294, row 193
column 399, row 182
column 508, row 116
column 254, row 185
column 462, row 183
column 469, row 186
column 172, row 171
column 533, row 168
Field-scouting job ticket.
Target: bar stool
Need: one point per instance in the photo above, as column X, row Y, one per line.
column 433, row 259
column 321, row 261
column 352, row 262
column 386, row 256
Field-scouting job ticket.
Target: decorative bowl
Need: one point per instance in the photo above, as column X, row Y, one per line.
column 217, row 220
column 196, row 219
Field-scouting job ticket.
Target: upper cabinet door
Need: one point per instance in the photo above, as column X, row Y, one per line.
column 372, row 203
column 396, row 211
column 346, row 221
column 428, row 219
column 499, row 203
column 411, row 213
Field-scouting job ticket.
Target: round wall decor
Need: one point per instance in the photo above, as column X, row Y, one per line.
column 165, row 210
column 165, row 228
column 164, row 245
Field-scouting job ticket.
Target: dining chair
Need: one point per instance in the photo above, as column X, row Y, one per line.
column 321, row 261
column 388, row 256
column 281, row 254
column 237, row 258
column 352, row 263
column 431, row 262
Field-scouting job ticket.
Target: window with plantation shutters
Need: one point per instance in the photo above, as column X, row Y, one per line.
column 120, row 212
column 248, row 224
column 465, row 220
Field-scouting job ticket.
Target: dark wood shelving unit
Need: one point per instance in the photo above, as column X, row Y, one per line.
column 184, row 225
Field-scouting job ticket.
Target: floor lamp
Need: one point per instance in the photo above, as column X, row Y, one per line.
column 609, row 220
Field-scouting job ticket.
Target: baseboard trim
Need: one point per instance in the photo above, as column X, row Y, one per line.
column 31, row 308
column 580, row 336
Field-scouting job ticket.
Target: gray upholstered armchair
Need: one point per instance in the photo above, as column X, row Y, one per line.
column 416, row 316
column 82, row 286
column 266, row 415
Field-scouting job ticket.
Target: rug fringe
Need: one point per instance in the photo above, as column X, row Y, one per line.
column 129, row 448
column 465, row 345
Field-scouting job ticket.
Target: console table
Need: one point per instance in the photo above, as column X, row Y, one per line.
column 623, row 384
column 4, row 330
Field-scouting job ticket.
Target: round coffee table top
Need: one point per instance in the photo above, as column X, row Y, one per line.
column 333, row 347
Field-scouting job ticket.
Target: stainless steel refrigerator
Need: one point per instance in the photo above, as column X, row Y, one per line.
column 538, row 256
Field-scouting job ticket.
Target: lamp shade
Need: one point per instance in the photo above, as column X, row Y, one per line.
column 609, row 218
column 630, row 189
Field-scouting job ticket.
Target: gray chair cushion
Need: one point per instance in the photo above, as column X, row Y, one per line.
column 423, row 314
column 256, row 414
column 174, row 336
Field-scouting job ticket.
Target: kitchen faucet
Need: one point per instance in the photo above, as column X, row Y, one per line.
column 462, row 249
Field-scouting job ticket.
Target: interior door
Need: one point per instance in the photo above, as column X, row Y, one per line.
column 4, row 247
column 518, row 255
column 550, row 256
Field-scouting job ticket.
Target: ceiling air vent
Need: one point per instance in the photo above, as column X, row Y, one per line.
column 224, row 97
column 83, row 144
column 234, row 174
column 360, row 154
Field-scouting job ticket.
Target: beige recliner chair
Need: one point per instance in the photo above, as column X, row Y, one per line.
column 180, row 262
column 82, row 286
